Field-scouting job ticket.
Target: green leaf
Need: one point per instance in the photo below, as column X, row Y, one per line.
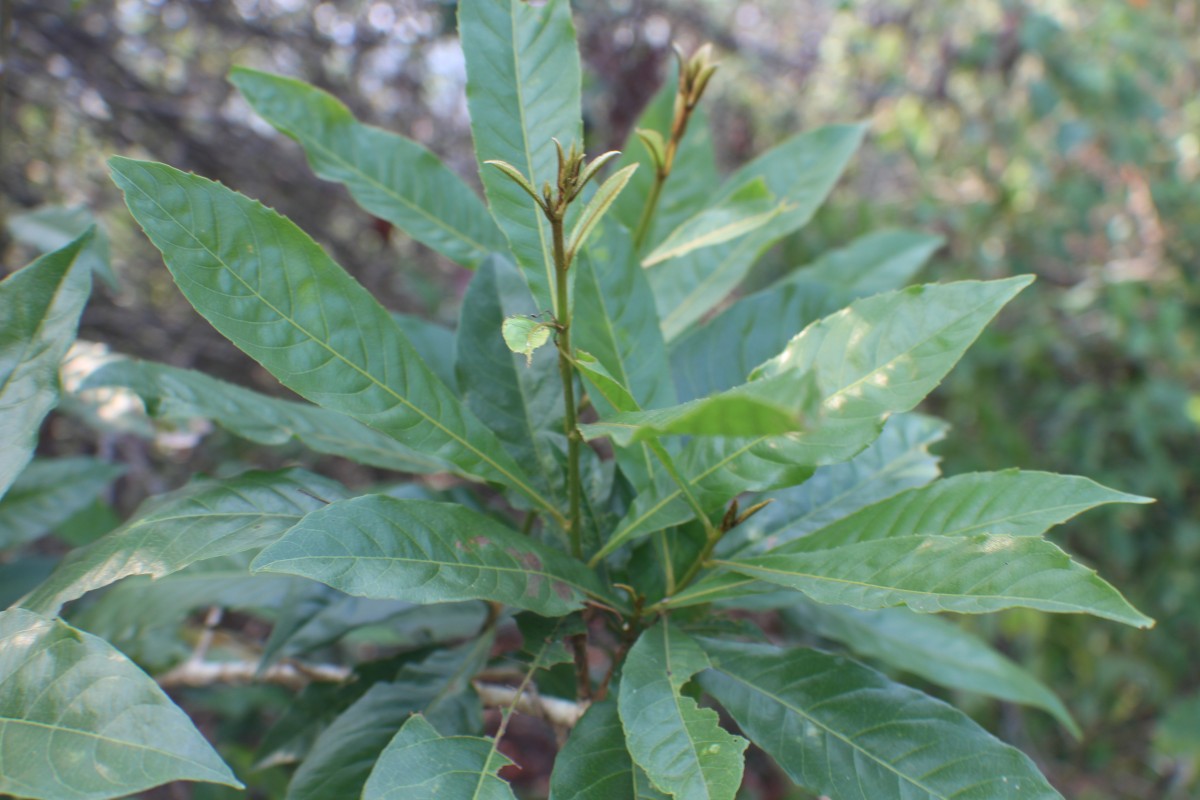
column 800, row 172
column 341, row 759
column 743, row 212
column 679, row 744
column 785, row 403
column 523, row 90
column 595, row 764
column 847, row 732
column 524, row 335
column 434, row 343
column 420, row 762
column 49, row 228
column 595, row 209
column 81, row 722
column 390, row 176
column 720, row 354
column 49, row 492
column 205, row 519
column 1011, row 502
column 39, row 312
column 972, row 574
column 175, row 394
column 425, row 552
column 931, row 648
column 275, row 294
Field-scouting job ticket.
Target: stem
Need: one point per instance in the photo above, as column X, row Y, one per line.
column 694, row 569
column 643, row 228
column 570, row 423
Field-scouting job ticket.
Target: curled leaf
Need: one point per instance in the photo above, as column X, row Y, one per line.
column 525, row 334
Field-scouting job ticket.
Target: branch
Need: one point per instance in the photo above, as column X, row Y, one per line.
column 561, row 713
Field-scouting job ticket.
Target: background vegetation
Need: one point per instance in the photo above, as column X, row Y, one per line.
column 1055, row 138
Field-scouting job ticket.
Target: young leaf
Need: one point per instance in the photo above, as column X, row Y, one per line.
column 743, row 212
column 82, row 722
column 420, row 762
column 424, row 552
column 268, row 287
column 595, row 763
column 679, row 744
column 39, row 312
column 972, row 574
column 205, row 519
column 49, row 492
column 847, row 732
column 594, row 211
column 390, row 176
column 523, row 335
column 800, row 172
column 523, row 90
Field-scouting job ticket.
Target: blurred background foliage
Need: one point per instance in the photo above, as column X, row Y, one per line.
column 1051, row 137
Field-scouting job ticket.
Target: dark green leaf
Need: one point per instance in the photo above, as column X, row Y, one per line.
column 81, row 722
column 594, row 764
column 48, row 493
column 847, row 732
column 420, row 762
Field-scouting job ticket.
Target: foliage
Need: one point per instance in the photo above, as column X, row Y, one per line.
column 621, row 497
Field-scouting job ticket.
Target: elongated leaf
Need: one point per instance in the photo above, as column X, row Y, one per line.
column 49, row 228
column 434, row 343
column 173, row 393
column 743, row 212
column 206, row 519
column 784, row 403
column 523, row 89
column 595, row 209
column 679, row 744
column 420, row 762
column 439, row 687
column 49, row 492
column 79, row 721
column 933, row 648
column 720, row 354
column 595, row 764
column 845, row 731
column 1009, row 502
column 800, row 172
column 424, row 552
column 966, row 574
column 275, row 294
column 390, row 176
column 39, row 312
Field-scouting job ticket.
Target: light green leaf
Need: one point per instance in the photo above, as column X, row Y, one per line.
column 424, row 552
column 39, row 313
column 1010, row 502
column 595, row 764
column 79, row 721
column 176, row 394
column 929, row 647
column 595, row 209
column 390, row 176
column 49, row 492
column 720, row 354
column 275, row 294
column 420, row 762
column 205, row 519
column 972, row 574
column 743, row 212
column 847, row 732
column 523, row 90
column 679, row 744
column 49, row 228
column 800, row 172
column 524, row 335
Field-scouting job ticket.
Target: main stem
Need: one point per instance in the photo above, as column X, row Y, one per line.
column 570, row 422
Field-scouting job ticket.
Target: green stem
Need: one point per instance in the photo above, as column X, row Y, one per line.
column 694, row 569
column 570, row 423
column 643, row 228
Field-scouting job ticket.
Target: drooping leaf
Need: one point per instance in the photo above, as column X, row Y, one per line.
column 847, row 732
column 390, row 176
column 971, row 574
column 595, row 763
column 800, row 172
column 420, row 762
column 930, row 647
column 720, row 353
column 275, row 294
column 424, row 552
column 79, row 721
column 523, row 91
column 679, row 744
column 39, row 313
column 1011, row 502
column 49, row 228
column 205, row 519
column 49, row 492
column 174, row 394
column 743, row 212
